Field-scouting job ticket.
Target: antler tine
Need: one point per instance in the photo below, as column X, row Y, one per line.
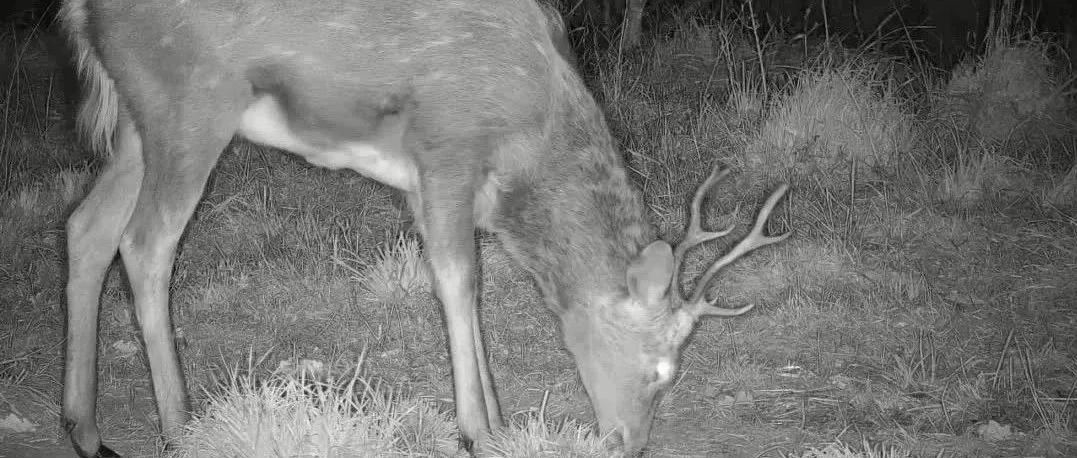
column 695, row 233
column 755, row 239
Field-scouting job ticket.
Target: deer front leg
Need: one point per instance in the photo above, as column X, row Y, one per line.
column 444, row 213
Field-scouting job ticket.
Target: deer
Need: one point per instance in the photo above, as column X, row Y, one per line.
column 472, row 109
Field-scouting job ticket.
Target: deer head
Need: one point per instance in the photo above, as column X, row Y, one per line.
column 627, row 347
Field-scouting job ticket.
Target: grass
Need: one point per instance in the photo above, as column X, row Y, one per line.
column 399, row 273
column 923, row 306
column 833, row 121
column 301, row 413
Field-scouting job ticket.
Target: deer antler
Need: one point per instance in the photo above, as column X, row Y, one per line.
column 695, row 234
column 698, row 305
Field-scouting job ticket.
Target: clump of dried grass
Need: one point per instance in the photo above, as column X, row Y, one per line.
column 1013, row 90
column 1063, row 193
column 535, row 437
column 292, row 415
column 982, row 175
column 831, row 122
column 399, row 273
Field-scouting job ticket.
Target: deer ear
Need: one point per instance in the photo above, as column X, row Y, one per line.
column 650, row 273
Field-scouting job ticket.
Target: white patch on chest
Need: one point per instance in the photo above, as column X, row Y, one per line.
column 664, row 368
column 265, row 122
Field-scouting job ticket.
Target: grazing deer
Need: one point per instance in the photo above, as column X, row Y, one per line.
column 469, row 107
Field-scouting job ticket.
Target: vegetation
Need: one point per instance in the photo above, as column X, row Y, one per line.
column 923, row 306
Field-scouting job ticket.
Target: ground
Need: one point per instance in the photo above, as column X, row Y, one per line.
column 910, row 313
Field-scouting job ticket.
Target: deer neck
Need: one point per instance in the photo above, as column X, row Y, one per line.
column 575, row 221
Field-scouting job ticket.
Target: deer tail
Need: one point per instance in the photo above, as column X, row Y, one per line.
column 99, row 109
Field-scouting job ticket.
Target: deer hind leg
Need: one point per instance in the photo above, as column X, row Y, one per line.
column 93, row 236
column 444, row 214
column 182, row 147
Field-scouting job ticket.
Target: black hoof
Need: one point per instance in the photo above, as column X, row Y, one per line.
column 468, row 445
column 105, row 452
column 102, row 452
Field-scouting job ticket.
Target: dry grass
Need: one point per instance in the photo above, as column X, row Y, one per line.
column 399, row 272
column 1062, row 194
column 1013, row 91
column 534, row 437
column 301, row 409
column 833, row 122
column 980, row 177
column 293, row 414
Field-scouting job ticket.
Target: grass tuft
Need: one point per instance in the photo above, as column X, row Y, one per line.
column 289, row 414
column 535, row 437
column 399, row 273
column 980, row 177
column 1063, row 192
column 1011, row 92
column 830, row 119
